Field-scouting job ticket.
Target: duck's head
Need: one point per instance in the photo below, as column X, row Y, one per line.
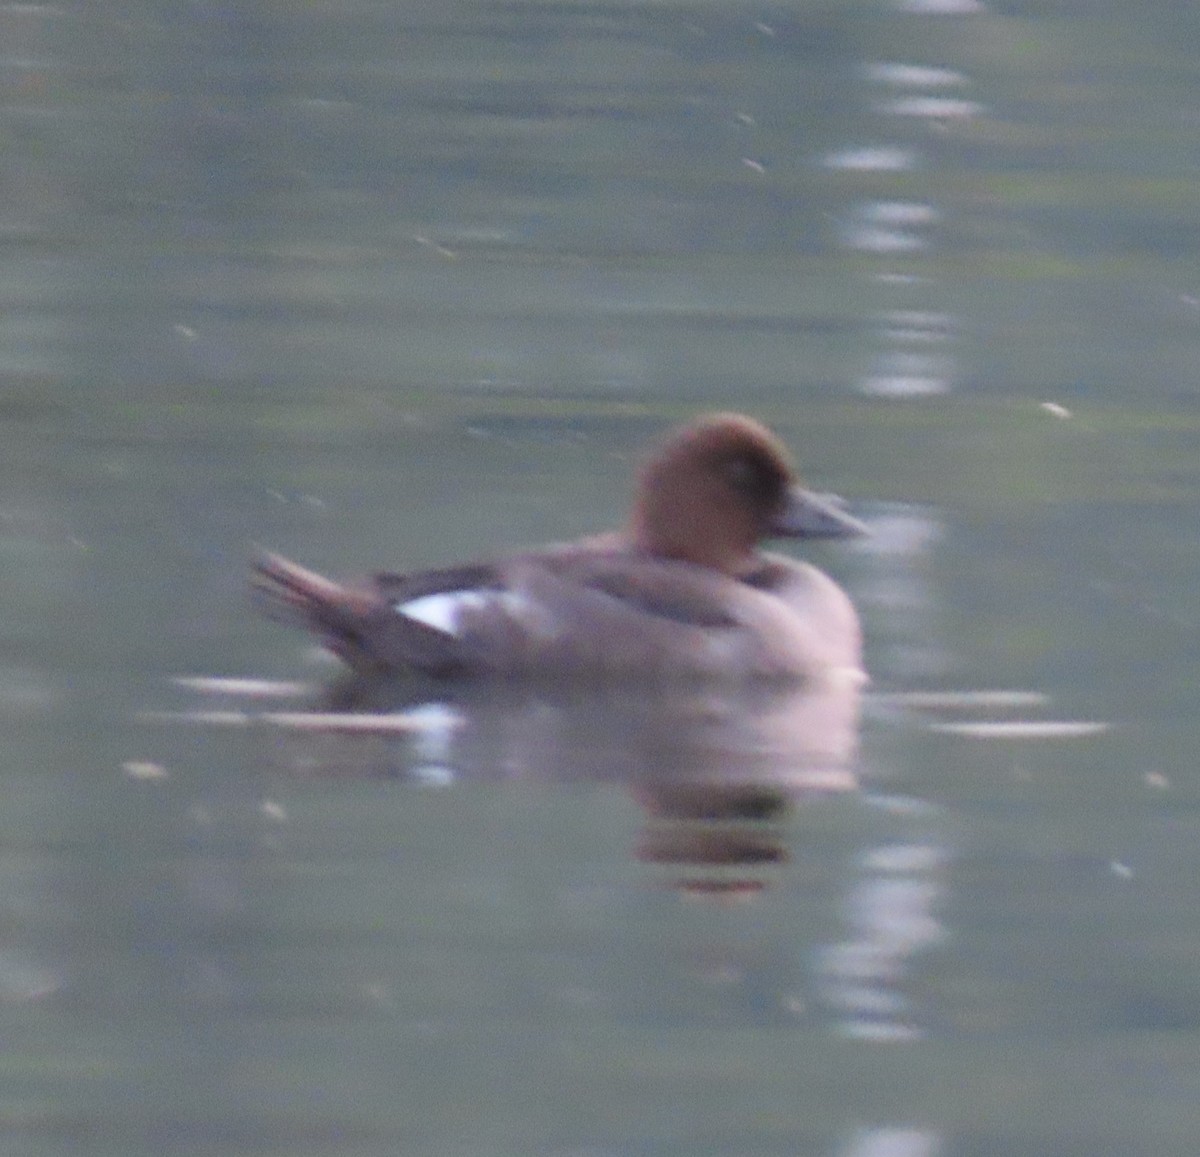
column 718, row 487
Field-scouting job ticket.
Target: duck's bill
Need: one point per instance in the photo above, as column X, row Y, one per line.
column 809, row 515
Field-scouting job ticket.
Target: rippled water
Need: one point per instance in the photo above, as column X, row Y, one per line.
column 398, row 285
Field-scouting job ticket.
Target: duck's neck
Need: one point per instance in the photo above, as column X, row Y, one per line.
column 695, row 545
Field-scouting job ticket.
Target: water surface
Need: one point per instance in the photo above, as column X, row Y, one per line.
column 394, row 286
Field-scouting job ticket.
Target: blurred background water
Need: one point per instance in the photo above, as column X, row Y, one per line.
column 398, row 284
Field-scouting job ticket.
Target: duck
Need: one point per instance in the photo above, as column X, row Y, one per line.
column 683, row 591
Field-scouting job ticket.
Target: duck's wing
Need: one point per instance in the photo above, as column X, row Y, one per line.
column 597, row 613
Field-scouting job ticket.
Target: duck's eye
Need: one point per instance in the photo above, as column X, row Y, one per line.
column 752, row 479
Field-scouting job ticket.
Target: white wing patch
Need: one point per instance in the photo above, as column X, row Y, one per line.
column 444, row 611
column 441, row 611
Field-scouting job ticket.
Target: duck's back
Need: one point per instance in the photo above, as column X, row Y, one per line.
column 610, row 612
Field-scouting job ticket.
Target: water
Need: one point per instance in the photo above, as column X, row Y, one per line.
column 382, row 286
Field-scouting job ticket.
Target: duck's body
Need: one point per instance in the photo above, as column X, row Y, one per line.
column 682, row 592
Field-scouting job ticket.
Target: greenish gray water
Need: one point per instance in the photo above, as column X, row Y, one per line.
column 391, row 285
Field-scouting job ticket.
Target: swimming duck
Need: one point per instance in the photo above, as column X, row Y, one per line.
column 682, row 591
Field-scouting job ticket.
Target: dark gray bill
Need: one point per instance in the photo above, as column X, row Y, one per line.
column 809, row 515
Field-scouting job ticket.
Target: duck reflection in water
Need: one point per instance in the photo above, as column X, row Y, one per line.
column 716, row 770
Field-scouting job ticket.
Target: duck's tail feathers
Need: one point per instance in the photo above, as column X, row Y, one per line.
column 289, row 593
column 357, row 623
